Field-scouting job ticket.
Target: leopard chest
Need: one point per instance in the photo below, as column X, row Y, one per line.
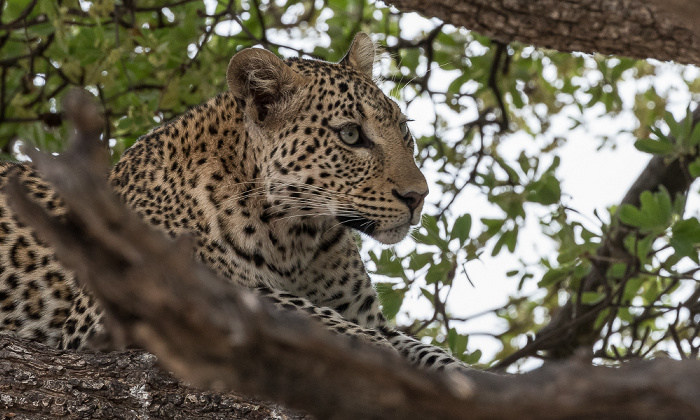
column 253, row 246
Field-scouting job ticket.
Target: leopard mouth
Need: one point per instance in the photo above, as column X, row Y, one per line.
column 369, row 227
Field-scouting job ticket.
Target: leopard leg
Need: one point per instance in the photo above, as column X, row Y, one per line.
column 421, row 354
column 327, row 316
column 84, row 328
column 416, row 352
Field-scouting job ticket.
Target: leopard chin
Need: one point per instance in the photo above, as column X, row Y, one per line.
column 392, row 235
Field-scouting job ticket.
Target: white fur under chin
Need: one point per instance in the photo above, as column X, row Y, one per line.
column 393, row 235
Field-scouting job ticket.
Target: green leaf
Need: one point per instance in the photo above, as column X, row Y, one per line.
column 420, row 260
column 427, row 294
column 631, row 215
column 524, row 163
column 688, row 230
column 457, row 342
column 512, row 173
column 432, row 235
column 545, row 190
column 674, row 127
column 685, row 238
column 472, row 358
column 388, row 264
column 391, row 299
column 695, row 136
column 592, row 298
column 632, row 288
column 430, row 223
column 508, row 238
column 554, row 276
column 655, row 147
column 625, row 315
column 512, row 238
column 438, row 272
column 641, row 247
column 694, row 166
column 461, row 228
column 410, row 58
column 601, row 318
column 617, row 271
column 492, row 225
column 654, row 213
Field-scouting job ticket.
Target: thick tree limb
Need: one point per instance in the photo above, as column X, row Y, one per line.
column 661, row 29
column 37, row 382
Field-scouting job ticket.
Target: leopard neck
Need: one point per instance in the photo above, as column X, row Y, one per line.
column 215, row 139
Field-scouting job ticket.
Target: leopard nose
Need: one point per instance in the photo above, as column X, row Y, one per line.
column 412, row 199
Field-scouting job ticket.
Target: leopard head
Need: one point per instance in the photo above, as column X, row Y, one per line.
column 333, row 145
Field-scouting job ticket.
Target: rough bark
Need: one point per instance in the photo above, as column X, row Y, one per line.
column 661, row 29
column 215, row 335
column 38, row 382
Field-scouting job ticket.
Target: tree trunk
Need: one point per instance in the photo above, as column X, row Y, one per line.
column 661, row 29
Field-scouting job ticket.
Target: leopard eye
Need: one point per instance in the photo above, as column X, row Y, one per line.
column 350, row 134
column 405, row 132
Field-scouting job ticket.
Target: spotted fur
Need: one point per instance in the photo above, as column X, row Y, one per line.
column 271, row 180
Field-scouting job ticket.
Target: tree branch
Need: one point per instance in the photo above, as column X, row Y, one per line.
column 661, row 29
column 45, row 384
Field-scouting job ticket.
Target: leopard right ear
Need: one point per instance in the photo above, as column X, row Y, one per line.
column 361, row 55
column 260, row 77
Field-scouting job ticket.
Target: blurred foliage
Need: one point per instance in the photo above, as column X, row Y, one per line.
column 491, row 133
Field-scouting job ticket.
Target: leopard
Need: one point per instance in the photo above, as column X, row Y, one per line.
column 273, row 179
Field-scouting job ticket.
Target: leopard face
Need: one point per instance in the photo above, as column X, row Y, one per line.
column 343, row 151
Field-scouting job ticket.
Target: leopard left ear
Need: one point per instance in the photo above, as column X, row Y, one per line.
column 259, row 76
column 361, row 54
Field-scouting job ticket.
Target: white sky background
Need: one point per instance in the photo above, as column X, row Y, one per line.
column 591, row 180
